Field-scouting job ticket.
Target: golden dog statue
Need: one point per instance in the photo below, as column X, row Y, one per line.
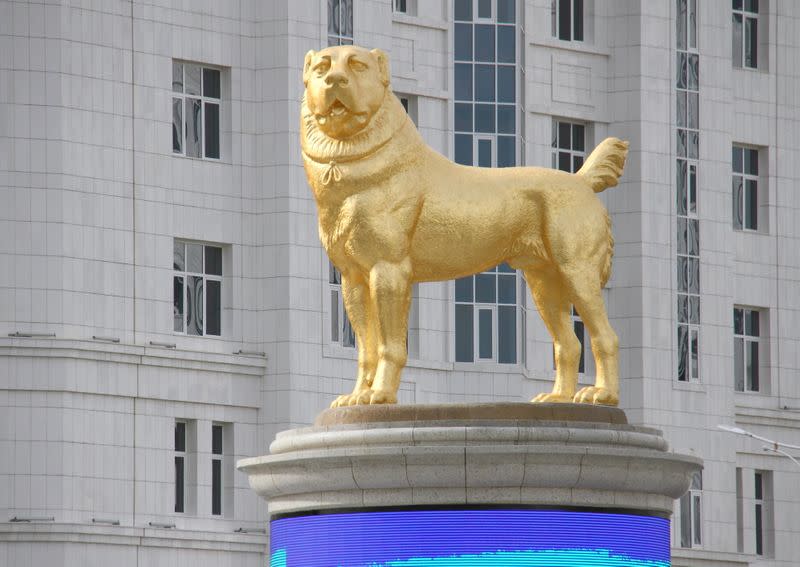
column 393, row 212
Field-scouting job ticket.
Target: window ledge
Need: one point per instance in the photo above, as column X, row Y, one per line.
column 576, row 46
column 202, row 159
column 402, row 18
column 689, row 386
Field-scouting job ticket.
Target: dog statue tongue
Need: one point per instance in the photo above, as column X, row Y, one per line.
column 392, row 212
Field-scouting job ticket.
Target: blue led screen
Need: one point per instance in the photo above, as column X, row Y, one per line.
column 475, row 538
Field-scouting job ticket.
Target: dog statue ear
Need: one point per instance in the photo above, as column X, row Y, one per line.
column 383, row 65
column 307, row 65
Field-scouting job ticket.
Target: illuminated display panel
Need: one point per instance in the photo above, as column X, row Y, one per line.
column 475, row 538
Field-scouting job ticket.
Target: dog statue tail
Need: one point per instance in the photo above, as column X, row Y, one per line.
column 605, row 164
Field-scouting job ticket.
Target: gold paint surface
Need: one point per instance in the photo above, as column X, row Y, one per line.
column 392, row 212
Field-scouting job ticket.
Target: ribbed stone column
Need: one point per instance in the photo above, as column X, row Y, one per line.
column 481, row 456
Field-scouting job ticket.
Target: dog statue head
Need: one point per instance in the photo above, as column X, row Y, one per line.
column 345, row 88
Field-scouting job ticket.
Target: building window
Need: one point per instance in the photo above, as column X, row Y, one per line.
column 687, row 25
column 410, row 104
column 762, row 509
column 486, row 316
column 739, row 511
column 691, row 513
column 485, row 77
column 197, row 288
column 216, row 470
column 195, row 110
column 745, row 188
column 340, row 22
column 745, row 34
column 342, row 331
column 687, row 88
column 567, row 19
column 569, row 145
column 746, row 339
column 405, row 7
column 180, row 465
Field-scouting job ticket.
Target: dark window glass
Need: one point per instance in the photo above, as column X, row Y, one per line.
column 463, row 81
column 177, row 303
column 751, row 43
column 683, row 237
column 212, row 130
column 463, row 117
column 693, row 240
column 464, row 289
column 738, row 202
column 737, row 159
column 692, row 188
column 738, row 321
column 194, row 305
column 463, row 149
column 681, row 108
column 485, row 333
column 463, row 10
column 484, row 153
column 179, row 476
column 681, row 140
column 211, row 83
column 213, row 307
column 686, row 520
column 751, row 161
column 578, row 137
column 683, row 376
column 506, row 151
column 564, row 19
column 506, row 117
column 578, row 19
column 194, row 131
column 484, row 118
column 579, row 332
column 463, row 38
column 216, row 487
column 484, row 43
column 564, row 138
column 180, row 436
column 216, row 439
column 177, row 77
column 506, row 11
column 507, row 334
column 738, row 364
column 177, row 125
column 681, row 24
column 682, row 64
column 737, row 4
column 485, row 288
column 564, row 161
column 694, row 275
column 577, row 162
column 484, row 83
column 751, row 211
column 693, row 149
column 506, row 42
column 692, row 114
column 751, row 326
column 507, row 289
column 464, row 333
column 506, row 84
column 693, row 82
column 213, row 260
column 683, row 305
column 694, row 310
column 752, row 366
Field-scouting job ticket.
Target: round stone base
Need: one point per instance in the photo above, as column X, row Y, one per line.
column 526, row 455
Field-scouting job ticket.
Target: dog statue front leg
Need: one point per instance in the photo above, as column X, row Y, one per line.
column 390, row 286
column 358, row 304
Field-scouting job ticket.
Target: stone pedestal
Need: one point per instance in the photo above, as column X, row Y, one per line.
column 549, row 462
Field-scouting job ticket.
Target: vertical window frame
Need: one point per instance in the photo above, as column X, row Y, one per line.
column 749, row 24
column 205, row 101
column 743, row 207
column 185, row 274
column 691, row 511
column 341, row 38
column 748, row 342
column 217, row 470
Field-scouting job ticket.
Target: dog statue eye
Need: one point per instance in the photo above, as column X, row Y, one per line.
column 357, row 66
column 322, row 67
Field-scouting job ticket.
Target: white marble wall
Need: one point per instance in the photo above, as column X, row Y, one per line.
column 91, row 199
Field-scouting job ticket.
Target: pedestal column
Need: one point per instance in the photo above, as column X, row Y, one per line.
column 493, row 484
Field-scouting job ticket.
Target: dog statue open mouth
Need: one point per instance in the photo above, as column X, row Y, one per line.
column 393, row 212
